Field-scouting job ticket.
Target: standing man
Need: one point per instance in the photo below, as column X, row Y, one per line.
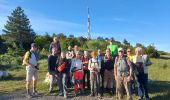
column 113, row 49
column 52, row 68
column 141, row 63
column 123, row 74
column 55, row 44
column 31, row 61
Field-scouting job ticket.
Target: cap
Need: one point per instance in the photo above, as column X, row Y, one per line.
column 33, row 45
column 120, row 49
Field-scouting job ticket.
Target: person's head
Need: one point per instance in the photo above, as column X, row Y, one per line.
column 78, row 55
column 76, row 48
column 63, row 55
column 94, row 54
column 107, row 52
column 86, row 53
column 55, row 39
column 99, row 52
column 34, row 47
column 120, row 52
column 138, row 51
column 54, row 51
column 128, row 51
column 69, row 47
column 110, row 41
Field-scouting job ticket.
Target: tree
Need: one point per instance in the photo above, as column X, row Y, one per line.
column 152, row 52
column 100, row 38
column 126, row 44
column 3, row 47
column 18, row 29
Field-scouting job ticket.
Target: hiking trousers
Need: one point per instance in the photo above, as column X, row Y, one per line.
column 121, row 83
column 78, row 80
column 95, row 82
column 143, row 85
column 62, row 82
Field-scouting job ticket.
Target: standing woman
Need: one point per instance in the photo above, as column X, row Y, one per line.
column 77, row 71
column 69, row 57
column 108, row 71
column 62, row 74
column 86, row 75
column 94, row 67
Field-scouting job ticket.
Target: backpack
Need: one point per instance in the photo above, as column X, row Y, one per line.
column 25, row 57
column 125, row 59
column 94, row 62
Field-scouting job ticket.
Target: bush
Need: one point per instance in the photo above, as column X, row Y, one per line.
column 10, row 61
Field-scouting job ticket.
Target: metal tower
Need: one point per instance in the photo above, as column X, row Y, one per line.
column 88, row 25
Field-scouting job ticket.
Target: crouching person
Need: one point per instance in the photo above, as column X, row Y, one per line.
column 123, row 74
column 62, row 74
column 94, row 66
column 52, row 68
column 31, row 62
column 77, row 71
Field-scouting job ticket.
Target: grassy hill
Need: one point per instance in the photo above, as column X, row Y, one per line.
column 159, row 79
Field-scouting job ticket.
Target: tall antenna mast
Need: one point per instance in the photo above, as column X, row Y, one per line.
column 88, row 24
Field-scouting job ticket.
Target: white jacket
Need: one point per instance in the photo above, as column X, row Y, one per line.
column 94, row 63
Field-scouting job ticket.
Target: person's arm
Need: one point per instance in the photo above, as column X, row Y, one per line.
column 130, row 67
column 50, row 48
column 59, row 48
column 72, row 64
column 115, row 69
column 99, row 66
column 89, row 65
column 72, row 54
column 49, row 64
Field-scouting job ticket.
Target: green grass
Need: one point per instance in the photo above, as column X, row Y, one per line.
column 159, row 87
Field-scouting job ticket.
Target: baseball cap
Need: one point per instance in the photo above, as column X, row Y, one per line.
column 120, row 49
column 33, row 45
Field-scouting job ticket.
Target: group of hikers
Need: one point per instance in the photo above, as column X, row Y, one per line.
column 116, row 71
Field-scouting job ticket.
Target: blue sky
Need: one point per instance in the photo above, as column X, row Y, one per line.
column 138, row 21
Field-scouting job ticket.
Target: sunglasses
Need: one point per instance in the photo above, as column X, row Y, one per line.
column 120, row 51
column 128, row 51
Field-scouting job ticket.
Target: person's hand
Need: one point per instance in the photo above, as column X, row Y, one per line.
column 30, row 65
column 115, row 77
column 129, row 78
column 71, row 74
column 94, row 68
column 56, row 75
column 106, row 70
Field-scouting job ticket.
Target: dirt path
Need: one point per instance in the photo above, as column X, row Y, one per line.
column 21, row 96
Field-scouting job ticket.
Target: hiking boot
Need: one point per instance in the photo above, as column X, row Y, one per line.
column 111, row 92
column 92, row 94
column 140, row 98
column 65, row 96
column 29, row 96
column 60, row 94
column 35, row 93
column 147, row 98
column 82, row 92
column 76, row 93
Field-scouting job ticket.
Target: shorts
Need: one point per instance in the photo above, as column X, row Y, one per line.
column 31, row 74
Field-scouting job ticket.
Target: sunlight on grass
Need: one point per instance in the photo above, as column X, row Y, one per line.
column 159, row 84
